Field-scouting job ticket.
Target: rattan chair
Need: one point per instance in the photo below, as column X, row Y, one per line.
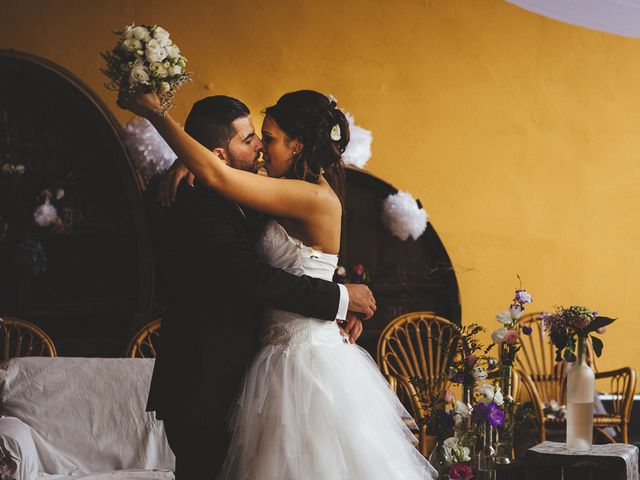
column 419, row 344
column 144, row 343
column 545, row 379
column 19, row 338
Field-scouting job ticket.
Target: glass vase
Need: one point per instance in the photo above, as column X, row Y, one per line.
column 504, row 448
column 486, row 458
column 440, row 460
column 465, row 431
column 580, row 396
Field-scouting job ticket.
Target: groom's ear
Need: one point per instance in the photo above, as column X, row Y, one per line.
column 221, row 153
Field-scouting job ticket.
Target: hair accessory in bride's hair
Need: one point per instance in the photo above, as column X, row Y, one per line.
column 332, row 100
column 336, row 134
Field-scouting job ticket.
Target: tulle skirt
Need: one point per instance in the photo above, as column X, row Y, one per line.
column 316, row 408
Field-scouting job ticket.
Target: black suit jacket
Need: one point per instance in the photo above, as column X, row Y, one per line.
column 215, row 288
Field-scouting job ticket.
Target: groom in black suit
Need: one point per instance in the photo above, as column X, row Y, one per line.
column 215, row 289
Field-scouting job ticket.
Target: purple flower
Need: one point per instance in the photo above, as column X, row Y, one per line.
column 460, row 471
column 523, row 297
column 495, row 415
column 527, row 330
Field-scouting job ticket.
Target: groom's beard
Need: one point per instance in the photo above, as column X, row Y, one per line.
column 253, row 166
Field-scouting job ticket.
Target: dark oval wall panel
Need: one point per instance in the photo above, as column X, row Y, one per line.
column 405, row 276
column 99, row 279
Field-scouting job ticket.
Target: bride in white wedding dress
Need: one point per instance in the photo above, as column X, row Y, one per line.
column 313, row 405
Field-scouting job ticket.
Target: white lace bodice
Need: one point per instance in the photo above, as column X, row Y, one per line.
column 288, row 329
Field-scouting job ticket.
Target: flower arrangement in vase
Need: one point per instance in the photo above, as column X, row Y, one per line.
column 569, row 329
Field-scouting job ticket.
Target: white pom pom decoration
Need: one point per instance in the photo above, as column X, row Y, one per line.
column 45, row 214
column 403, row 217
column 149, row 152
column 358, row 150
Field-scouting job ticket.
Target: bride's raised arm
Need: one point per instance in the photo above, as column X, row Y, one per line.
column 279, row 197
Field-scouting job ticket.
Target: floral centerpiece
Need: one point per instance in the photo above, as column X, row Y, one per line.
column 146, row 59
column 568, row 326
column 508, row 338
column 569, row 329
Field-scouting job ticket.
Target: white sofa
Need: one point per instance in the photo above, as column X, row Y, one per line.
column 80, row 418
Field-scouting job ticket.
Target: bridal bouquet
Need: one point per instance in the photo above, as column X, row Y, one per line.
column 146, row 59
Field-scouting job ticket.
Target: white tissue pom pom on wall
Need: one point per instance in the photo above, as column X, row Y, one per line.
column 358, row 150
column 45, row 214
column 149, row 152
column 403, row 217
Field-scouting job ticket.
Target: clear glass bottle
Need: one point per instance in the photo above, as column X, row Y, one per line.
column 504, row 449
column 580, row 396
column 486, row 458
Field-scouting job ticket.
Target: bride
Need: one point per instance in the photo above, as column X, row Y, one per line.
column 313, row 405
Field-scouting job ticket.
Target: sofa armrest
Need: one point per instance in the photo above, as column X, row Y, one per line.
column 18, row 455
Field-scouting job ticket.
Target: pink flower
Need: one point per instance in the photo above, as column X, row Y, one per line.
column 460, row 471
column 358, row 269
column 471, row 360
column 449, row 397
column 512, row 337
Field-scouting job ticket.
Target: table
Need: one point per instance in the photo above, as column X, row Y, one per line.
column 553, row 461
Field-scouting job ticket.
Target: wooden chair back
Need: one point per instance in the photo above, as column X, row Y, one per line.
column 144, row 343
column 20, row 338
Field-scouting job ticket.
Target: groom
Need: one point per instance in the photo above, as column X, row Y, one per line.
column 215, row 290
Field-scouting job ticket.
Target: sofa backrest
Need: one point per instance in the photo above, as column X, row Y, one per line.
column 88, row 414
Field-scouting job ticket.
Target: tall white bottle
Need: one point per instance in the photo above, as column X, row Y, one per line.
column 581, row 386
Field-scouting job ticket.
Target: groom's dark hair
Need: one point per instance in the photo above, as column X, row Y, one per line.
column 209, row 120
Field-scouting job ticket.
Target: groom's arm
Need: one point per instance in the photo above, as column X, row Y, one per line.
column 226, row 248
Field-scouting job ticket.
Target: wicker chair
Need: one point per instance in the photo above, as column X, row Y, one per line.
column 20, row 338
column 144, row 343
column 419, row 344
column 545, row 379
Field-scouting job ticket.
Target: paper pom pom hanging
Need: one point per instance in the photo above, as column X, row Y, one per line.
column 149, row 152
column 45, row 214
column 403, row 216
column 358, row 150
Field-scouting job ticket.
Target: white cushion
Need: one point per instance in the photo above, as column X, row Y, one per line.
column 87, row 414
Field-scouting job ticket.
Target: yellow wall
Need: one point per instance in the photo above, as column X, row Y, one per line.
column 518, row 133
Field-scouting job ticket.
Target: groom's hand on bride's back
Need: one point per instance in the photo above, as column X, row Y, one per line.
column 361, row 300
column 170, row 181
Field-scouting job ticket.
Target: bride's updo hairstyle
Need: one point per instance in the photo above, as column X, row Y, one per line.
column 314, row 120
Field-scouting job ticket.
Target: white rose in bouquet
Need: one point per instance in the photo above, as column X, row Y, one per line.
column 162, row 36
column 173, row 52
column 155, row 52
column 139, row 75
column 175, row 70
column 164, row 87
column 132, row 44
column 141, row 33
